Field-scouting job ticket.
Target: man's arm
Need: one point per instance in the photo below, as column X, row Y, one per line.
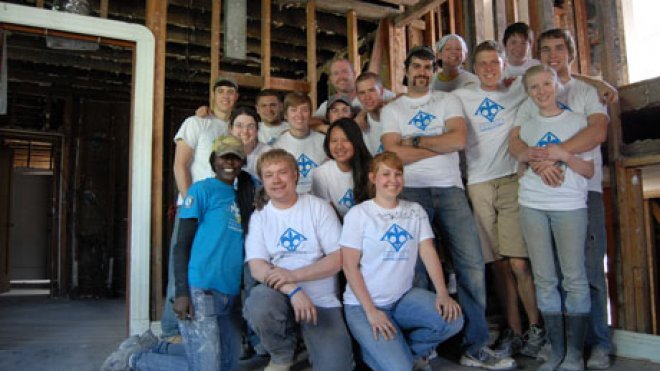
column 183, row 156
column 327, row 266
column 452, row 140
column 606, row 92
column 589, row 137
column 408, row 154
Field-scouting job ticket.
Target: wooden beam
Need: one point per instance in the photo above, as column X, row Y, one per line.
column 416, row 12
column 103, row 9
column 429, row 32
column 649, row 234
column 396, row 49
column 156, row 18
column 40, row 3
column 265, row 42
column 289, row 85
column 500, row 15
column 353, row 52
column 363, row 9
column 511, row 11
column 311, row 50
column 376, row 57
column 418, row 24
column 216, row 27
column 401, row 2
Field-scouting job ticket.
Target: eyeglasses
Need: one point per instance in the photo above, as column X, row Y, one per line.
column 245, row 126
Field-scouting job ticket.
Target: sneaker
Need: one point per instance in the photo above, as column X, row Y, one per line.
column 118, row 360
column 422, row 364
column 599, row 359
column 509, row 344
column 533, row 341
column 278, row 366
column 487, row 359
column 544, row 354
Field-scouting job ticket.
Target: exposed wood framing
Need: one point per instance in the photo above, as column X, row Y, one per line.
column 353, row 47
column 511, row 11
column 415, row 36
column 265, row 42
column 157, row 22
column 452, row 16
column 396, row 50
column 103, row 9
column 430, row 31
column 649, row 233
column 40, row 3
column 216, row 42
column 311, row 50
column 379, row 45
column 541, row 15
column 500, row 18
column 416, row 12
column 364, row 10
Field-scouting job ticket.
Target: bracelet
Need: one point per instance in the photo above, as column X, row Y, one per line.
column 294, row 292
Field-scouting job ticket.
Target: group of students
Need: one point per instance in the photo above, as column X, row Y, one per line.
column 363, row 186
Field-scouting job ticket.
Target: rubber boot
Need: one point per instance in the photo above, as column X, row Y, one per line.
column 554, row 328
column 576, row 330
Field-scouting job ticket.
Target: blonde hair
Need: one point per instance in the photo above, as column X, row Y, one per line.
column 390, row 159
column 274, row 156
column 535, row 70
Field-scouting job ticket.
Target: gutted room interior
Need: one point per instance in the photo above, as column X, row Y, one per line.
column 93, row 100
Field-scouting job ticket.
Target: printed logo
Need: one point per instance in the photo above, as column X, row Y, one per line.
column 548, row 138
column 305, row 164
column 421, row 120
column 235, row 212
column 396, row 236
column 488, row 109
column 380, row 149
column 188, row 202
column 564, row 106
column 347, row 200
column 291, row 239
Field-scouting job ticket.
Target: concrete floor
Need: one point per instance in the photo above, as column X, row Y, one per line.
column 39, row 333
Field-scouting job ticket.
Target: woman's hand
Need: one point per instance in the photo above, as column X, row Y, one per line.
column 303, row 308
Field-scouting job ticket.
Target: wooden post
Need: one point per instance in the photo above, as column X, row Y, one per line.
column 429, row 32
column 40, row 3
column 311, row 50
column 500, row 18
column 511, row 11
column 216, row 19
column 352, row 35
column 396, row 49
column 582, row 36
column 103, row 9
column 265, row 42
column 156, row 19
column 379, row 44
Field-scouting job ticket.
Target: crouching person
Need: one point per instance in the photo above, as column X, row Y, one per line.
column 293, row 251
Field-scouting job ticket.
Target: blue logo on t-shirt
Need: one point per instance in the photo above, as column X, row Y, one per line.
column 291, row 239
column 488, row 109
column 564, row 106
column 396, row 236
column 380, row 149
column 421, row 120
column 347, row 200
column 305, row 164
column 548, row 138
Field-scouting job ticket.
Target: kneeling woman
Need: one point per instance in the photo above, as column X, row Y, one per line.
column 397, row 326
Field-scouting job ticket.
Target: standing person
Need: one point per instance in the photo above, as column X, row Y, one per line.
column 517, row 40
column 244, row 124
column 370, row 93
column 304, row 144
column 343, row 179
column 490, row 110
column 556, row 48
column 194, row 142
column 293, row 251
column 426, row 130
column 396, row 324
column 452, row 51
column 559, row 214
column 269, row 108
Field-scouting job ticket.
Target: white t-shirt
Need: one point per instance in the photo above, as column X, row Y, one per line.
column 579, row 97
column 334, row 186
column 251, row 163
column 389, row 241
column 308, row 152
column 514, row 71
column 540, row 131
column 372, row 136
column 323, row 107
column 425, row 116
column 199, row 133
column 297, row 237
column 490, row 116
column 268, row 134
column 463, row 80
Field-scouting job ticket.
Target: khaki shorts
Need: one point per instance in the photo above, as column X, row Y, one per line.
column 495, row 207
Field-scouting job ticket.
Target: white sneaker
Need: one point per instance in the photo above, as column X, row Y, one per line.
column 487, row 359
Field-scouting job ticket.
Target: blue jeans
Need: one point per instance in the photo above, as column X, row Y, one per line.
column 163, row 356
column 569, row 230
column 599, row 332
column 459, row 231
column 270, row 314
column 420, row 328
column 212, row 338
column 168, row 321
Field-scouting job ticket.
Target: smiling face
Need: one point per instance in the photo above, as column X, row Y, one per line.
column 541, row 87
column 280, row 179
column 269, row 109
column 488, row 67
column 298, row 117
column 419, row 74
column 227, row 167
column 388, row 181
column 224, row 98
column 517, row 49
column 370, row 94
column 339, row 110
column 341, row 148
column 452, row 54
column 342, row 77
column 555, row 53
column 245, row 128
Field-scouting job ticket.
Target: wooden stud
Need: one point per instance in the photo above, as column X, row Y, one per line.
column 511, row 11
column 265, row 42
column 376, row 57
column 40, row 3
column 156, row 19
column 415, row 36
column 429, row 32
column 416, row 12
column 363, row 9
column 216, row 42
column 103, row 9
column 353, row 47
column 311, row 50
column 500, row 18
column 649, row 233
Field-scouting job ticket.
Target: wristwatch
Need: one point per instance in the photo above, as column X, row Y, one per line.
column 415, row 142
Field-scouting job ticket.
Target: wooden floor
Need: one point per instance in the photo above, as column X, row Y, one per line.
column 39, row 333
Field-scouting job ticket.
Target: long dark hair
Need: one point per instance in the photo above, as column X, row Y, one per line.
column 361, row 156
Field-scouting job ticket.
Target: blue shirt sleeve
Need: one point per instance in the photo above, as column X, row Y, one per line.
column 193, row 204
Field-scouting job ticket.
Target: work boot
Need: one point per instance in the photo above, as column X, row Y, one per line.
column 599, row 359
column 576, row 330
column 554, row 328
